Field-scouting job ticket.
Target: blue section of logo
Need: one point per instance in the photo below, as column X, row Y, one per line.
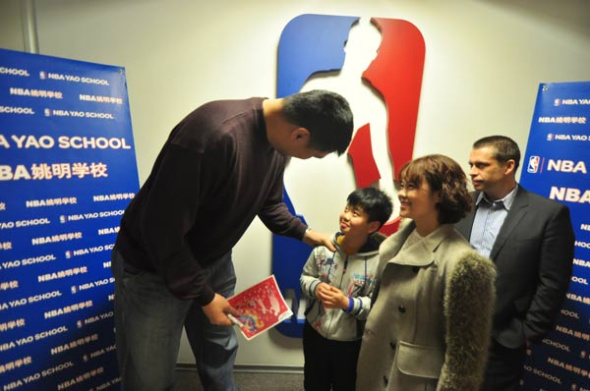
column 308, row 44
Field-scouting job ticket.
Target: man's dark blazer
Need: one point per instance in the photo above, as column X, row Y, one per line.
column 533, row 254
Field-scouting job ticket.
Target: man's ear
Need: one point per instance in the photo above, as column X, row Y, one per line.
column 300, row 135
column 510, row 164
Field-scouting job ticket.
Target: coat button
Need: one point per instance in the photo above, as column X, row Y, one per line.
column 392, row 345
column 401, row 309
column 385, row 380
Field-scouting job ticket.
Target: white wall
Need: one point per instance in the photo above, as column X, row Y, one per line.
column 484, row 63
column 11, row 30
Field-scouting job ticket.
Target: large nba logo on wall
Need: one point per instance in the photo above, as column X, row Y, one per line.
column 312, row 44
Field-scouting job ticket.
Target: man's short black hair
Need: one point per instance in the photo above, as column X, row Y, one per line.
column 505, row 148
column 325, row 114
column 374, row 202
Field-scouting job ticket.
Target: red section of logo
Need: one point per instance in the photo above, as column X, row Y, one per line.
column 363, row 161
column 396, row 73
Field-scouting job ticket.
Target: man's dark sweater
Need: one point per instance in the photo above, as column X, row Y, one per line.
column 215, row 173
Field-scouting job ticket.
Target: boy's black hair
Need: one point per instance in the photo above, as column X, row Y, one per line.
column 374, row 202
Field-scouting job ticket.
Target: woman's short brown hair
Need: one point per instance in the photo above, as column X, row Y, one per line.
column 442, row 174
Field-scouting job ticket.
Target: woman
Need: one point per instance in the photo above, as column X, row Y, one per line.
column 430, row 323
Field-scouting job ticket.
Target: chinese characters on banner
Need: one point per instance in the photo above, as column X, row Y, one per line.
column 67, row 172
column 556, row 166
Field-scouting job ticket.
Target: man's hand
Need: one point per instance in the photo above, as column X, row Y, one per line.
column 218, row 309
column 331, row 296
column 314, row 238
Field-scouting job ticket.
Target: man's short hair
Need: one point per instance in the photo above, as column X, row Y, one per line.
column 325, row 114
column 505, row 148
column 374, row 202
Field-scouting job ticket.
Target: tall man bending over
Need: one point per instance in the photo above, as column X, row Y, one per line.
column 221, row 167
column 531, row 240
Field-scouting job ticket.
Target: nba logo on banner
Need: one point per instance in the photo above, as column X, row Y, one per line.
column 533, row 164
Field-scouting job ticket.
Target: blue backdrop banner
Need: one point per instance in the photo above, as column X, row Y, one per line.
column 67, row 172
column 556, row 166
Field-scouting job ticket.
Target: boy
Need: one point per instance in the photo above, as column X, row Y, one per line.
column 339, row 285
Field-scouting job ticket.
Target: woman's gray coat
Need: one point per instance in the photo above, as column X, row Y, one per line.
column 429, row 327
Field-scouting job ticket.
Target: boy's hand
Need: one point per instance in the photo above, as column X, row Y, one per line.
column 314, row 238
column 332, row 297
column 322, row 290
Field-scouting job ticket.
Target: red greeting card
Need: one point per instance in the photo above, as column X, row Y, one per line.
column 261, row 307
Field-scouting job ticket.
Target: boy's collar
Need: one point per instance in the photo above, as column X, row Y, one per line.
column 371, row 244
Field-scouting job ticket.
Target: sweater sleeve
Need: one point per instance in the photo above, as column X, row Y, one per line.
column 468, row 304
column 310, row 276
column 276, row 215
column 361, row 306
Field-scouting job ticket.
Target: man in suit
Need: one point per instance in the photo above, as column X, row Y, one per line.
column 530, row 238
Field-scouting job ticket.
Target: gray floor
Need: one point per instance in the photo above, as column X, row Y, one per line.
column 247, row 380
